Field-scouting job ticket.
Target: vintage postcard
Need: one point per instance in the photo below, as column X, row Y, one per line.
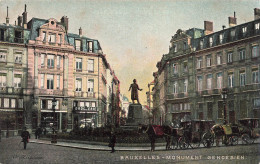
column 129, row 81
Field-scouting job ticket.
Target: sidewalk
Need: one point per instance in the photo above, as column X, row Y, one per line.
column 93, row 147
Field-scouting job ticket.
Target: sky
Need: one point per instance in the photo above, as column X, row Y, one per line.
column 134, row 34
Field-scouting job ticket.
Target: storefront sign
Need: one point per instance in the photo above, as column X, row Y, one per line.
column 81, row 108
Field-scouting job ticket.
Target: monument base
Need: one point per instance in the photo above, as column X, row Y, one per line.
column 135, row 115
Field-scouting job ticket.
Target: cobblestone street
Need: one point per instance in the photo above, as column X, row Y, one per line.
column 11, row 151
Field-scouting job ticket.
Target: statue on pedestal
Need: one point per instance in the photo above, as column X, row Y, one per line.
column 134, row 92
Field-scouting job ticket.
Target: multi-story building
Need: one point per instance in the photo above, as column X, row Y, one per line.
column 201, row 63
column 42, row 65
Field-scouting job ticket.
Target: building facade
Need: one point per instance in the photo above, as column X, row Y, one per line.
column 50, row 77
column 202, row 63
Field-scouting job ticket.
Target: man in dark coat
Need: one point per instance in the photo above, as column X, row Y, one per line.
column 25, row 137
column 112, row 141
column 134, row 92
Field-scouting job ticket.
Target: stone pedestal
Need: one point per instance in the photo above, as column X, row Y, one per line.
column 135, row 115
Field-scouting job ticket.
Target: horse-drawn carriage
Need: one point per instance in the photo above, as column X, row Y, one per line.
column 192, row 134
column 252, row 130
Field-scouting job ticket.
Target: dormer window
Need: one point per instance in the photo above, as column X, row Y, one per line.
column 201, row 44
column 257, row 26
column 210, row 41
column 185, row 45
column 52, row 38
column 18, row 37
column 244, row 29
column 174, row 47
column 220, row 38
column 232, row 33
column 90, row 46
column 44, row 36
column 78, row 45
column 2, row 34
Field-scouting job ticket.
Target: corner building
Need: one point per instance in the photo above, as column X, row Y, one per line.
column 200, row 63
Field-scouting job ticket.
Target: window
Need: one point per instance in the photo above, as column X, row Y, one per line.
column 43, row 104
column 231, row 79
column 256, row 102
column 201, row 44
column 219, row 59
column 220, row 38
column 49, row 81
column 210, row 41
column 174, row 68
column 199, row 78
column 20, row 103
column 44, row 36
column 210, row 110
column 244, row 29
column 2, row 34
column 199, row 62
column 13, row 103
column 78, row 45
column 175, row 87
column 90, row 46
column 78, row 84
column 90, row 65
column 174, row 47
column 58, row 61
column 242, row 79
column 242, row 54
column 230, row 57
column 42, row 60
column 219, row 80
column 52, row 38
column 185, row 45
column 209, row 81
column 232, row 33
column 78, row 64
column 17, row 81
column 2, row 56
column 18, row 37
column 58, row 81
column 220, row 109
column 18, row 58
column 255, row 51
column 42, row 80
column 255, row 76
column 60, row 36
column 208, row 61
column 2, row 80
column 6, row 102
column 50, row 61
column 185, row 67
column 50, row 104
column 257, row 26
column 185, row 88
column 90, row 85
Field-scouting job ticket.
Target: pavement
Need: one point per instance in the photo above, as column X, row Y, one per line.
column 87, row 145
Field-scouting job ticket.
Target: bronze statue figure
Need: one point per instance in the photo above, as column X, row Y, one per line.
column 134, row 92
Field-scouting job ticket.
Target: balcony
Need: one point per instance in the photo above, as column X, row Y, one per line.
column 18, row 40
column 90, row 94
column 18, row 91
column 50, row 92
column 78, row 93
column 171, row 96
column 181, row 95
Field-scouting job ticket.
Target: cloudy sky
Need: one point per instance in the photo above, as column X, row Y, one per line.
column 134, row 34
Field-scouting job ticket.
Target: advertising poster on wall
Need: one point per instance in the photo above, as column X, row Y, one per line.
column 129, row 81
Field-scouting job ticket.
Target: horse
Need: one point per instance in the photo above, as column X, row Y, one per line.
column 157, row 131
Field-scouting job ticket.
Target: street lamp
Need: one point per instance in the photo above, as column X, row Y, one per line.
column 54, row 135
column 86, row 107
column 224, row 98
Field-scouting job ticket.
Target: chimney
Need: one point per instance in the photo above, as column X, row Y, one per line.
column 15, row 23
column 80, row 31
column 257, row 13
column 65, row 22
column 223, row 27
column 25, row 18
column 208, row 27
column 232, row 21
column 20, row 20
column 7, row 18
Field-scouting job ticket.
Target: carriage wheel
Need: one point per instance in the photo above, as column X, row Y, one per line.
column 234, row 140
column 246, row 139
column 207, row 140
column 174, row 143
column 225, row 140
column 182, row 143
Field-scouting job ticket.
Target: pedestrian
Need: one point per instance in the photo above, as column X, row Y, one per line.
column 39, row 132
column 25, row 137
column 112, row 141
column 36, row 133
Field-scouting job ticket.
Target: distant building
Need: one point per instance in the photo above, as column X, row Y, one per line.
column 200, row 64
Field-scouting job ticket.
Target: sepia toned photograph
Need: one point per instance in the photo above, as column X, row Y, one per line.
column 129, row 81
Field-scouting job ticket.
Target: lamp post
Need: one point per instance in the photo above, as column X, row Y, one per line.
column 85, row 119
column 54, row 135
column 224, row 98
